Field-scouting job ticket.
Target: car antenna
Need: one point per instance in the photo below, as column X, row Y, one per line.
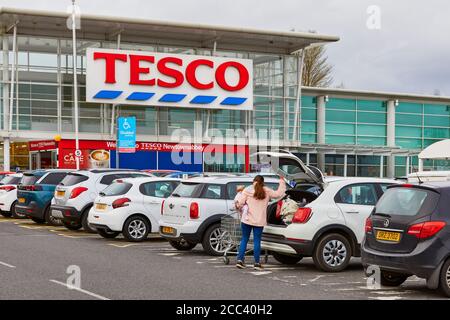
column 417, row 174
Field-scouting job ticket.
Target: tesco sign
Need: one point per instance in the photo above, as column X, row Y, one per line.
column 163, row 79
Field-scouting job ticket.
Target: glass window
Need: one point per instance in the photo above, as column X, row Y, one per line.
column 116, row 189
column 372, row 117
column 341, row 104
column 372, row 105
column 53, row 178
column 409, row 107
column 408, row 119
column 108, row 179
column 360, row 194
column 437, row 109
column 188, row 190
column 232, row 186
column 10, row 180
column 213, row 191
column 407, row 201
column 159, row 189
column 340, row 116
column 73, row 179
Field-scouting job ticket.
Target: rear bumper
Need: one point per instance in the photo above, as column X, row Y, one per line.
column 109, row 220
column 31, row 210
column 422, row 262
column 189, row 231
column 70, row 214
column 280, row 244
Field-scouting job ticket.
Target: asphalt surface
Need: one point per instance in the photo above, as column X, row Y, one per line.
column 34, row 260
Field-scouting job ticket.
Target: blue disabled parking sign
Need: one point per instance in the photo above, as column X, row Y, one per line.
column 126, row 134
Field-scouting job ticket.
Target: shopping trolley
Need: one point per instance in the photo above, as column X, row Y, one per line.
column 231, row 237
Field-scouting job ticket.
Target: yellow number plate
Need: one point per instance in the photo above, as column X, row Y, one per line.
column 60, row 193
column 168, row 230
column 100, row 206
column 388, row 236
column 21, row 200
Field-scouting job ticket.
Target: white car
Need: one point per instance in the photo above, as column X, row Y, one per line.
column 76, row 193
column 8, row 195
column 329, row 225
column 131, row 207
column 192, row 214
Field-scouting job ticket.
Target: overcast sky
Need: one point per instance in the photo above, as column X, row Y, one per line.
column 409, row 52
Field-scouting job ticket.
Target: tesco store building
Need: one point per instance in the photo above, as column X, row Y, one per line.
column 229, row 90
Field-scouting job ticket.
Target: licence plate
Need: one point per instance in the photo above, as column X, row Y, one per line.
column 57, row 214
column 21, row 200
column 100, row 206
column 388, row 236
column 168, row 230
column 60, row 193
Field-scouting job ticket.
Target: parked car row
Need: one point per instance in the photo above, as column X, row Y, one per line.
column 400, row 227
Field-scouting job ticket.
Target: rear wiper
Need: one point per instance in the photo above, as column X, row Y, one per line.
column 381, row 214
column 175, row 195
column 102, row 194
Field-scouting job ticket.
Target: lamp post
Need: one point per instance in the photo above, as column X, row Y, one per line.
column 75, row 80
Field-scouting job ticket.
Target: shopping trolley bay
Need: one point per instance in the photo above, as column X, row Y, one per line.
column 36, row 262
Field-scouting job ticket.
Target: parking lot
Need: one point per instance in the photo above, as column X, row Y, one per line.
column 35, row 258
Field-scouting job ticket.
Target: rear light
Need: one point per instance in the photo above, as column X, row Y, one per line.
column 77, row 191
column 407, row 185
column 119, row 203
column 302, row 215
column 369, row 226
column 279, row 205
column 30, row 188
column 162, row 207
column 193, row 210
column 426, row 229
column 7, row 188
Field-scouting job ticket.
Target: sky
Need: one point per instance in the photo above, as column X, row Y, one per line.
column 385, row 45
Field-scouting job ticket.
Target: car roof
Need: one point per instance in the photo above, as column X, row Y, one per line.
column 351, row 180
column 226, row 179
column 147, row 179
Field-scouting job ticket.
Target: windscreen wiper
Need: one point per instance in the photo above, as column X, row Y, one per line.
column 381, row 214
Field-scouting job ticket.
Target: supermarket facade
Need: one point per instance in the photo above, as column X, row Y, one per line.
column 343, row 132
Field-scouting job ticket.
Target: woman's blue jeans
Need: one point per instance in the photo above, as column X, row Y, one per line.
column 257, row 233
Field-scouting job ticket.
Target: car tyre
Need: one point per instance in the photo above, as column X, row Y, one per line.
column 182, row 245
column 38, row 220
column 85, row 224
column 14, row 213
column 108, row 234
column 72, row 227
column 444, row 279
column 287, row 259
column 52, row 221
column 136, row 229
column 391, row 279
column 214, row 240
column 332, row 253
column 6, row 214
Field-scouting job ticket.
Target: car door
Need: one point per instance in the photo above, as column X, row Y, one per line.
column 213, row 201
column 289, row 167
column 154, row 193
column 231, row 194
column 356, row 202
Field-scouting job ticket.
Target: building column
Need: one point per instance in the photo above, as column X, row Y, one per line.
column 390, row 134
column 321, row 131
column 6, row 86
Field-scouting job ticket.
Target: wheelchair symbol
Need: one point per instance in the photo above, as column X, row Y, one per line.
column 126, row 125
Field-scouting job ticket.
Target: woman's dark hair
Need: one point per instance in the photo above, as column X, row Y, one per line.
column 260, row 193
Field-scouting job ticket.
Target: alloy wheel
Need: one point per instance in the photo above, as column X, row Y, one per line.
column 447, row 277
column 137, row 229
column 334, row 253
column 220, row 240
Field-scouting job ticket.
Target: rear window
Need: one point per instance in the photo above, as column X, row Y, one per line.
column 116, row 189
column 73, row 179
column 28, row 180
column 10, row 180
column 53, row 178
column 407, row 202
column 188, row 190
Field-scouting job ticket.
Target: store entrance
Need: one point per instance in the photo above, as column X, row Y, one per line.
column 43, row 160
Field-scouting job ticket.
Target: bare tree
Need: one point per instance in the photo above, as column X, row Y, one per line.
column 316, row 69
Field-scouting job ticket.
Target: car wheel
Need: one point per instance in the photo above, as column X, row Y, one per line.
column 286, row 259
column 136, row 229
column 108, row 234
column 85, row 224
column 38, row 220
column 15, row 214
column 50, row 219
column 216, row 240
column 332, row 253
column 444, row 281
column 391, row 279
column 6, row 214
column 70, row 226
column 182, row 245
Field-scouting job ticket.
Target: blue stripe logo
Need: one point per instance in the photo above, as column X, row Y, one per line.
column 233, row 101
column 107, row 94
column 140, row 96
column 203, row 99
column 172, row 97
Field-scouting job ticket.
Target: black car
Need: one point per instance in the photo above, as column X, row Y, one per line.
column 408, row 233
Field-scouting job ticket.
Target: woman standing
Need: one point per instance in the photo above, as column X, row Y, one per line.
column 257, row 198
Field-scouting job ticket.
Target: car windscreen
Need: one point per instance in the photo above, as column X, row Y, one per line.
column 404, row 201
column 28, row 180
column 53, row 178
column 116, row 189
column 188, row 190
column 10, row 180
column 73, row 179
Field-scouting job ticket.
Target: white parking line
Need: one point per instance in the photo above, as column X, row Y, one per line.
column 7, row 265
column 80, row 290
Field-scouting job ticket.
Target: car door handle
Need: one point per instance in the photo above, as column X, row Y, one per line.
column 154, row 202
column 352, row 211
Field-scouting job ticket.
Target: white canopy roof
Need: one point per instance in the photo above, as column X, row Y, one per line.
column 437, row 151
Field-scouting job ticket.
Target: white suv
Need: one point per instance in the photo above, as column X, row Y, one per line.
column 329, row 225
column 131, row 207
column 193, row 212
column 8, row 195
column 76, row 193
